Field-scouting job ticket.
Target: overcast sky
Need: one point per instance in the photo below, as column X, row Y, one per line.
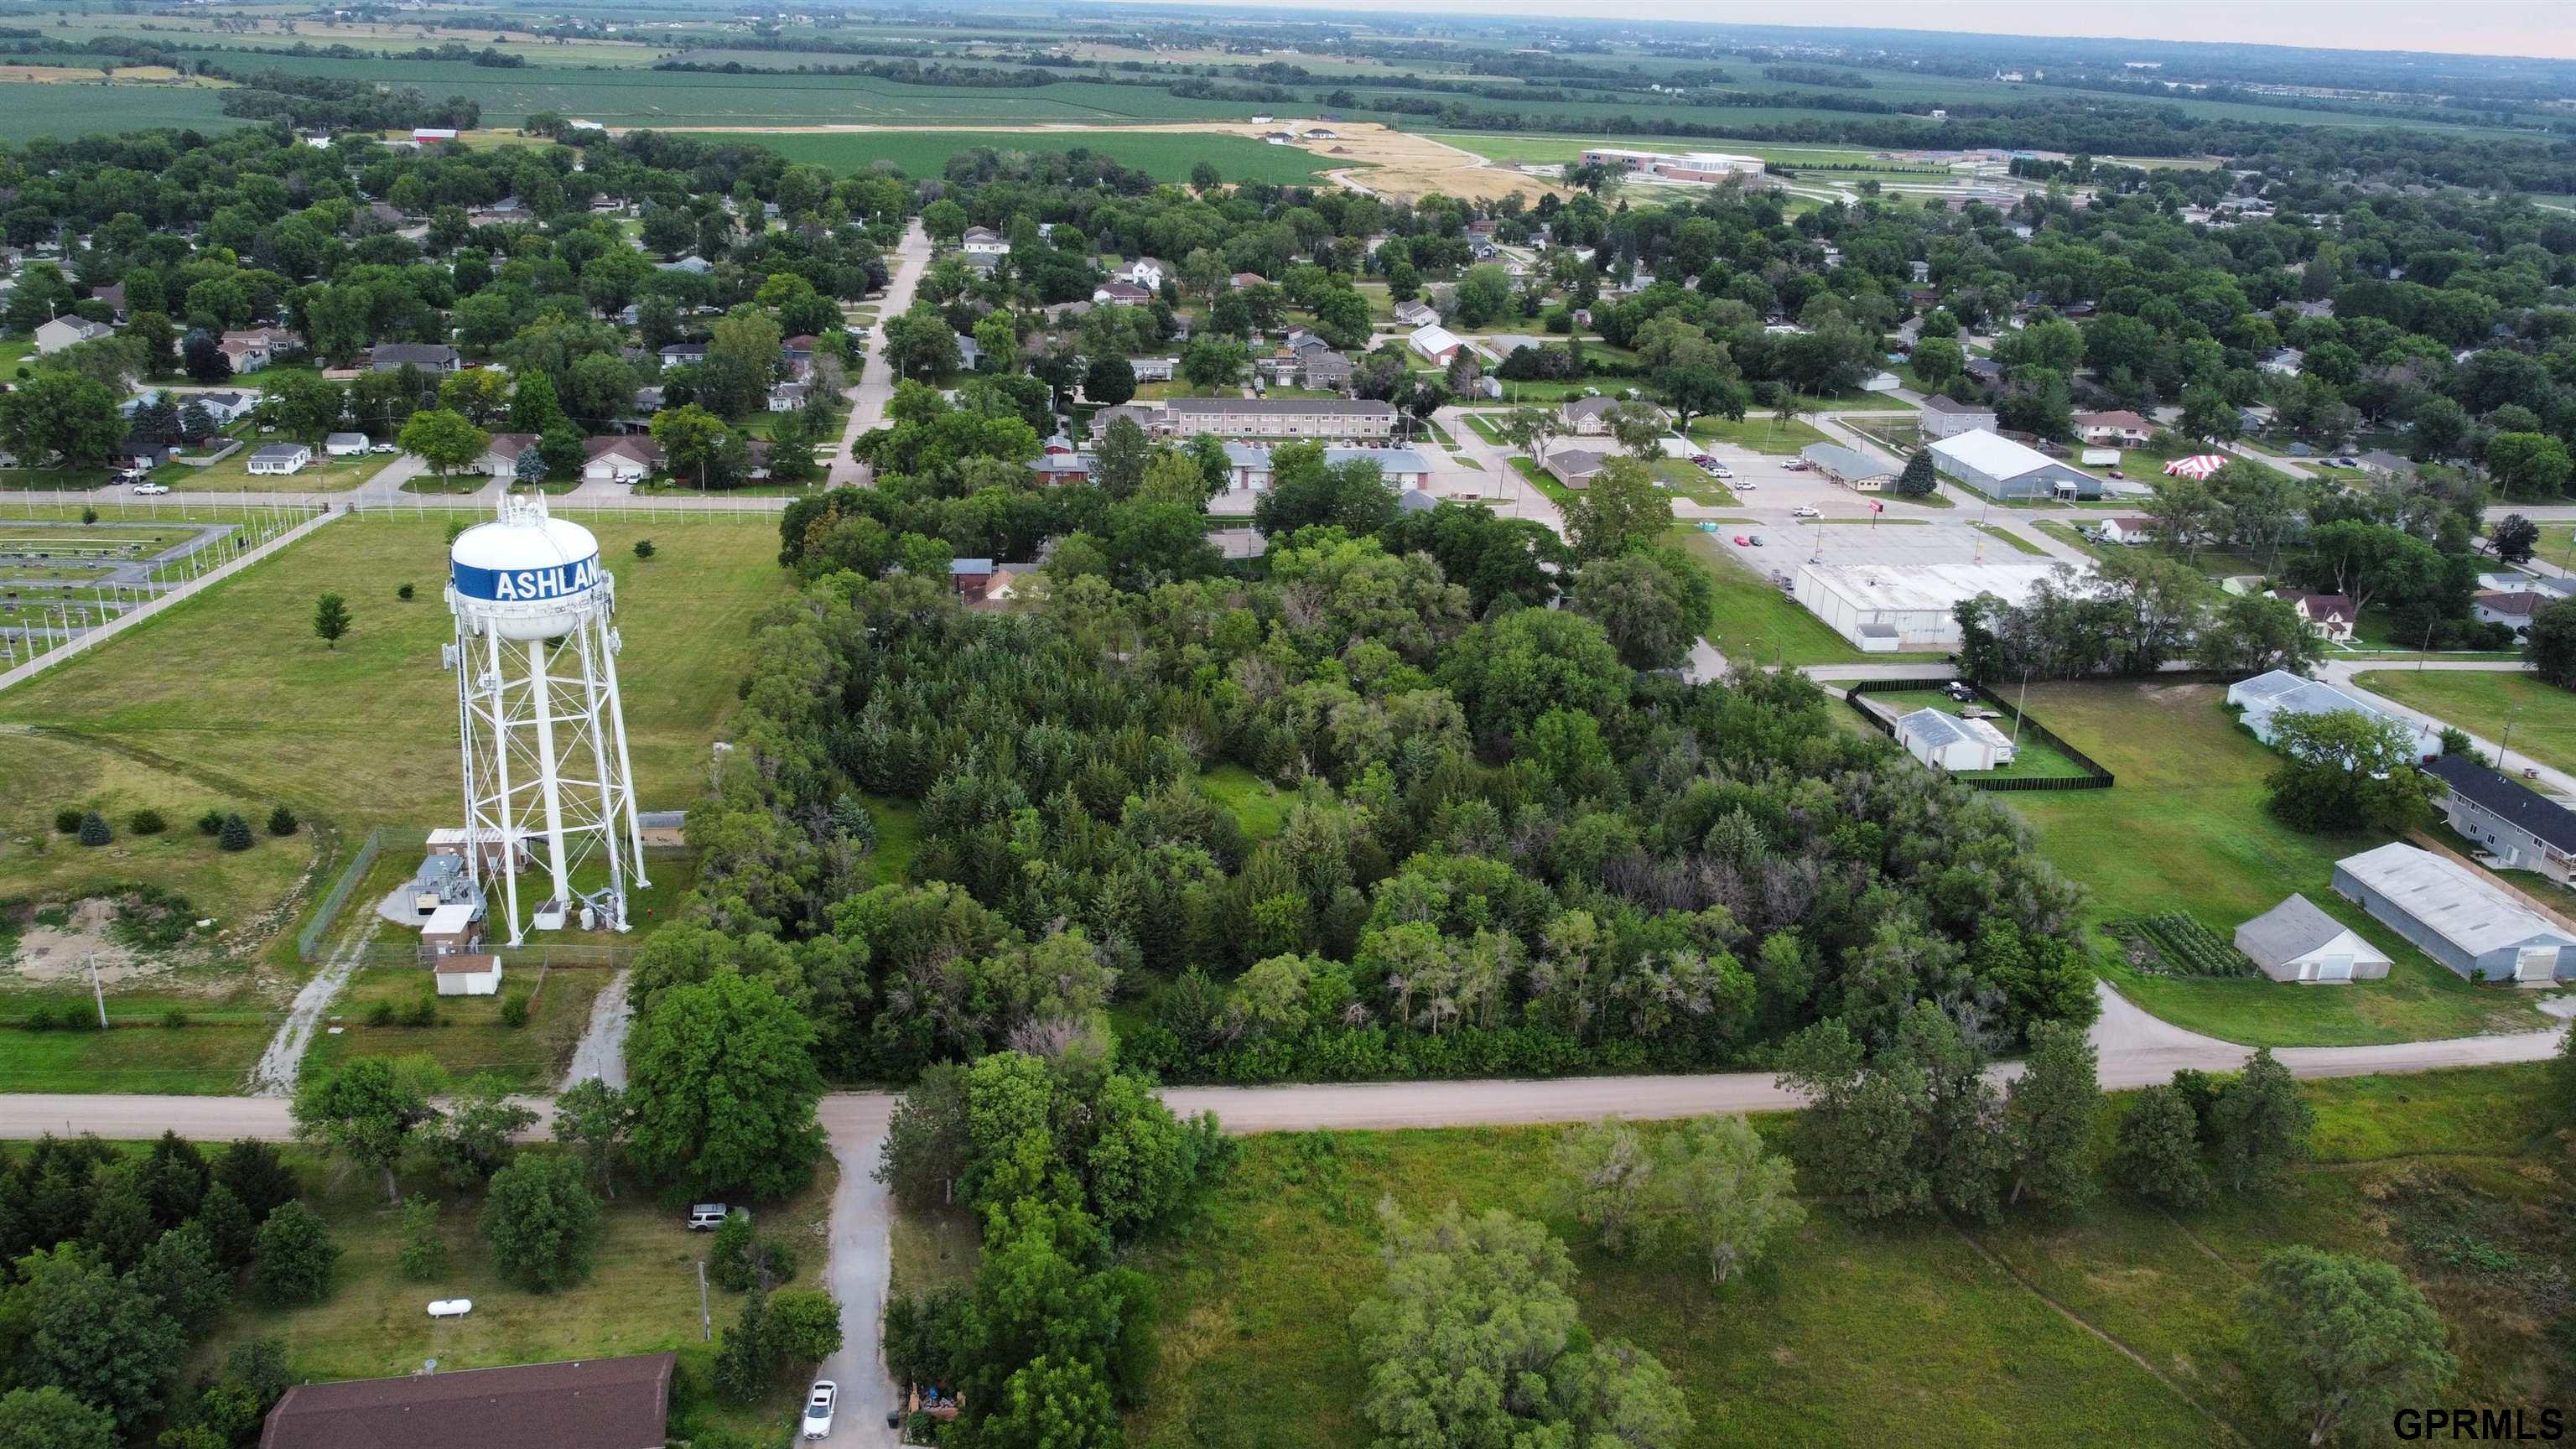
column 2477, row 27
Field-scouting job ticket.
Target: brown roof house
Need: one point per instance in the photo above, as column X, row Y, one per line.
column 610, row 1403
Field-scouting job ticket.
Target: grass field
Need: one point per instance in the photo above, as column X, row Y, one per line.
column 469, row 1036
column 29, row 109
column 2185, row 829
column 2541, row 716
column 642, row 1295
column 1852, row 1333
column 1164, row 155
column 1260, row 807
column 1760, row 432
column 232, row 690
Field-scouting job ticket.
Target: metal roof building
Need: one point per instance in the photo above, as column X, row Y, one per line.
column 1849, row 466
column 2297, row 941
column 2460, row 918
column 2001, row 468
column 1884, row 608
column 2269, row 695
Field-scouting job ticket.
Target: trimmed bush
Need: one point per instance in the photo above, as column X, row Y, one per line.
column 174, row 1020
column 235, row 833
column 381, row 1014
column 67, row 822
column 644, row 548
column 282, row 821
column 93, row 829
column 423, row 1011
column 514, row 1011
column 404, row 593
column 211, row 823
column 146, row 822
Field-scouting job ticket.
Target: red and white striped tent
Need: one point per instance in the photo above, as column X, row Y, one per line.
column 2198, row 465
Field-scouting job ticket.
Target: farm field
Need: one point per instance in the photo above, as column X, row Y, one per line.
column 29, row 109
column 1854, row 1333
column 1165, row 155
column 233, row 685
column 2542, row 716
column 2185, row 829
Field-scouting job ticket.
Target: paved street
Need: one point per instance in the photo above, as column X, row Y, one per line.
column 875, row 387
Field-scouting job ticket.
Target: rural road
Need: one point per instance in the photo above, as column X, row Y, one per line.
column 875, row 389
column 601, row 1052
column 2136, row 1049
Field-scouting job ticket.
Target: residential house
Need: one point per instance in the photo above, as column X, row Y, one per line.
column 1067, row 467
column 2266, row 698
column 1945, row 417
column 970, row 353
column 1576, row 467
column 114, row 297
column 606, row 1403
column 1145, row 272
column 2328, row 616
column 2511, row 608
column 2298, row 941
column 1416, row 314
column 501, row 458
column 1951, row 742
column 2465, row 920
column 619, row 458
column 1154, row 369
column 427, row 356
column 1318, row 133
column 280, row 459
column 693, row 264
column 1323, row 369
column 1241, row 280
column 1011, row 582
column 682, row 354
column 2381, row 463
column 1985, row 370
column 1589, row 417
column 68, row 331
column 226, row 406
column 1148, row 416
column 2127, row 530
column 1123, row 293
column 1279, row 417
column 787, row 397
column 2117, row 429
column 970, row 577
column 2521, row 828
column 249, row 349
column 2283, row 362
column 985, row 242
column 798, row 354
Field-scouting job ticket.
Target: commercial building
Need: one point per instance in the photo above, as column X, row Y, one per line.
column 610, row 1403
column 2297, row 941
column 1678, row 166
column 1998, row 467
column 1850, row 467
column 2460, row 918
column 2266, row 697
column 1887, row 608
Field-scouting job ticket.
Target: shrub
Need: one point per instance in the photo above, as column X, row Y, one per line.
column 644, row 548
column 404, row 593
column 174, row 1020
column 291, row 1257
column 93, row 829
column 235, row 833
column 67, row 822
column 514, row 1010
column 211, row 823
column 146, row 822
column 41, row 1018
column 381, row 1014
column 89, row 515
column 282, row 821
column 424, row 1252
column 423, row 1011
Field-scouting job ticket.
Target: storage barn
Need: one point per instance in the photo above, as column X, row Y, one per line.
column 2461, row 919
column 1998, row 467
column 2297, row 941
column 1885, row 608
column 1937, row 737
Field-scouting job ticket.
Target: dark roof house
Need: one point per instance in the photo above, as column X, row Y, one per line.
column 613, row 1403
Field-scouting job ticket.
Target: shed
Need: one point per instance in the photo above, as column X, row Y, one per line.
column 2298, row 941
column 452, row 929
column 468, row 974
column 2460, row 918
column 1937, row 737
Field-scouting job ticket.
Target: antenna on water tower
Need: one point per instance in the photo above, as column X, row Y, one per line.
column 547, row 785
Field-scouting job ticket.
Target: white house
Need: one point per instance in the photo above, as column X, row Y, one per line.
column 1124, row 293
column 2328, row 616
column 983, row 241
column 345, row 445
column 280, row 458
column 622, row 458
column 2297, row 941
column 2119, row 428
column 1953, row 743
column 2510, row 607
column 62, row 332
column 225, row 407
column 2128, row 529
column 1417, row 314
column 2266, row 697
column 1146, row 272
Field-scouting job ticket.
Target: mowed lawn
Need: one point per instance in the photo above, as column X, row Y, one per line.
column 232, row 688
column 2185, row 829
column 1852, row 1333
column 2486, row 703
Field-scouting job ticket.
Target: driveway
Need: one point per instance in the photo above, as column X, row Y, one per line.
column 875, row 389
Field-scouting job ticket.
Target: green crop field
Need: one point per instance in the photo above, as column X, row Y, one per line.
column 1165, row 155
column 29, row 109
column 232, row 689
column 2115, row 1324
column 2185, row 829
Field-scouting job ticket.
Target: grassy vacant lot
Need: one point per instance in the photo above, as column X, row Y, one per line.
column 231, row 688
column 2034, row 760
column 1165, row 155
column 468, row 1037
column 1863, row 1334
column 642, row 1296
column 1760, row 432
column 2542, row 716
column 1260, row 807
column 2185, row 829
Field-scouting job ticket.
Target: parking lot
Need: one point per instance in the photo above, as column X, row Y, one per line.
column 1776, row 488
column 1787, row 543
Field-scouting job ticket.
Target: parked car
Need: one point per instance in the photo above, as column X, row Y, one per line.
column 1720, row 470
column 148, row 486
column 1742, row 542
column 1805, row 511
column 382, row 448
column 706, row 1217
column 1959, row 691
column 1703, row 460
column 1757, row 540
column 1797, row 465
column 819, row 1402
column 1740, row 485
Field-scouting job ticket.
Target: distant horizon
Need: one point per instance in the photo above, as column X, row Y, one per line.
column 2496, row 29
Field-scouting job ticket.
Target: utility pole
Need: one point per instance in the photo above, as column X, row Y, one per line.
column 97, row 990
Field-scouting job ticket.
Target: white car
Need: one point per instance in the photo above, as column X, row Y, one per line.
column 383, row 448
column 1717, row 470
column 1804, row 511
column 451, row 1308
column 819, row 1401
column 147, row 486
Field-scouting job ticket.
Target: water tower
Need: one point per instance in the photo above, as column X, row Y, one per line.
column 547, row 786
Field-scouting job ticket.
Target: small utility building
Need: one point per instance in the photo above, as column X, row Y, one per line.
column 2459, row 917
column 1937, row 737
column 1998, row 467
column 2297, row 941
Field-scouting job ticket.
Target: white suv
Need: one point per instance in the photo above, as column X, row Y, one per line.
column 818, row 1409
